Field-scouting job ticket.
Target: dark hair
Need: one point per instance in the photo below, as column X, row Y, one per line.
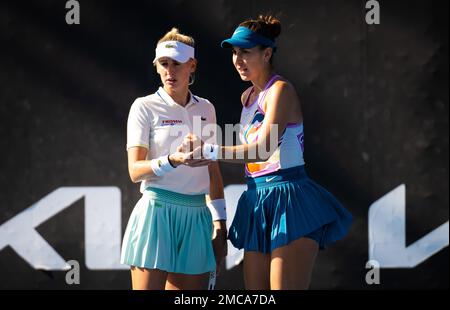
column 265, row 25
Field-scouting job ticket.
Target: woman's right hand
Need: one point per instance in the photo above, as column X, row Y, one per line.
column 177, row 158
column 191, row 142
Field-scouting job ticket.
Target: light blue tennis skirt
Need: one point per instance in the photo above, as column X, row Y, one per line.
column 170, row 232
column 284, row 206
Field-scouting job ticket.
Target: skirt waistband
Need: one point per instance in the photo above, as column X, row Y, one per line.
column 159, row 194
column 277, row 177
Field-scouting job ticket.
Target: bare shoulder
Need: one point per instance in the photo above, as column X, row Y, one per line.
column 283, row 98
column 284, row 91
column 284, row 88
column 245, row 95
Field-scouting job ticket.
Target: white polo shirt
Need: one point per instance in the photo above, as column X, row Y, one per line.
column 159, row 124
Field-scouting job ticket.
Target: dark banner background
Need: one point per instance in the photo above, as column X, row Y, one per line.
column 375, row 101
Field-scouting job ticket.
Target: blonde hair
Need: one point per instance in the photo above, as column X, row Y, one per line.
column 175, row 35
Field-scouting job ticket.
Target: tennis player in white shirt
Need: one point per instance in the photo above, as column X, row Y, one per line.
column 174, row 238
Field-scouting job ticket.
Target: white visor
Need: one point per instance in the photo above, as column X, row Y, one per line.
column 173, row 49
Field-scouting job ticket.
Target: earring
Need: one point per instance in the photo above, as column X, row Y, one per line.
column 191, row 78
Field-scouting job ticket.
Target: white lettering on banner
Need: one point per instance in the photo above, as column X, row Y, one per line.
column 387, row 234
column 103, row 235
column 232, row 194
column 102, row 224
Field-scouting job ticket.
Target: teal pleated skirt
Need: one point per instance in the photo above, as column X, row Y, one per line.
column 284, row 206
column 170, row 232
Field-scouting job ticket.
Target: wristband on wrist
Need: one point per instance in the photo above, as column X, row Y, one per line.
column 210, row 151
column 218, row 209
column 161, row 165
column 170, row 162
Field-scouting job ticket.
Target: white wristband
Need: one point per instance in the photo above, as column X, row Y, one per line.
column 161, row 165
column 210, row 151
column 218, row 209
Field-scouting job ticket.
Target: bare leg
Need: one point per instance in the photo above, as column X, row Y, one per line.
column 148, row 279
column 180, row 281
column 291, row 265
column 256, row 270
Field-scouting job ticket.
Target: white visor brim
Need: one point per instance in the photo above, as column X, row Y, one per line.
column 173, row 49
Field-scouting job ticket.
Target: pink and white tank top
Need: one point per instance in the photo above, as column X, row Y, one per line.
column 289, row 152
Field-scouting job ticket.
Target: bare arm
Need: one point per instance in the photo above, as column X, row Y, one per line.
column 215, row 181
column 219, row 237
column 216, row 188
column 283, row 107
column 138, row 167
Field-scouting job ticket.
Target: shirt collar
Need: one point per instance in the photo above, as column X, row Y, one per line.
column 167, row 99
